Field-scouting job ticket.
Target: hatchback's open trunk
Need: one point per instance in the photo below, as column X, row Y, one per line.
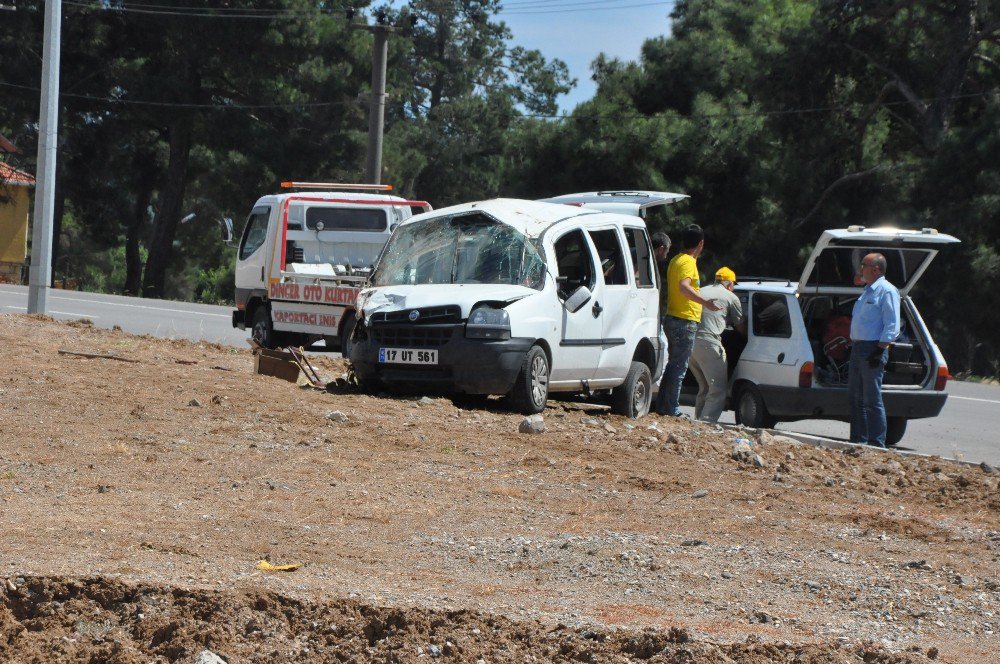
column 828, row 323
column 830, row 285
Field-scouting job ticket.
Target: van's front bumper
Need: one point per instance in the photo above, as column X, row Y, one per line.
column 472, row 366
column 798, row 403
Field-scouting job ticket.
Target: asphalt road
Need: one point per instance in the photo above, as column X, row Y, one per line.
column 968, row 428
column 160, row 318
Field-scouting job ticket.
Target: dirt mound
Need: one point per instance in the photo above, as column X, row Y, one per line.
column 134, row 469
column 101, row 620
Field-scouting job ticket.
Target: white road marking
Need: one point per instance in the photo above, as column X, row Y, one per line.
column 70, row 313
column 955, row 396
column 61, row 313
column 142, row 306
column 120, row 304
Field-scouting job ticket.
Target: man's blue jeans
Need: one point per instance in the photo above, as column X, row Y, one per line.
column 864, row 392
column 680, row 340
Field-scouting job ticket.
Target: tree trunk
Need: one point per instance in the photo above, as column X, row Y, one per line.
column 133, row 260
column 169, row 212
column 437, row 85
column 960, row 47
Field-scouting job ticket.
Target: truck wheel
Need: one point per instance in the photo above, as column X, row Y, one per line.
column 895, row 428
column 261, row 331
column 751, row 411
column 531, row 389
column 346, row 332
column 632, row 398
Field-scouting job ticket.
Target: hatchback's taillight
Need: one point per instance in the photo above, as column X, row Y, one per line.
column 806, row 375
column 942, row 378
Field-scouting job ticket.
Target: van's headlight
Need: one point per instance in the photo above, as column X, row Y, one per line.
column 488, row 323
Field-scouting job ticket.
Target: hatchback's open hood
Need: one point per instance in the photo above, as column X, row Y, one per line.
column 834, row 261
column 634, row 203
column 466, row 296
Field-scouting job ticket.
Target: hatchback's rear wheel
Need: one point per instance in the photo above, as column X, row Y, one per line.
column 531, row 389
column 895, row 429
column 632, row 398
column 751, row 411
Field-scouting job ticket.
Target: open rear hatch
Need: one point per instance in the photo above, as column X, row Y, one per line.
column 635, row 203
column 827, row 292
column 834, row 262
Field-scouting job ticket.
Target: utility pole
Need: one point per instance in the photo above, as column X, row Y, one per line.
column 40, row 272
column 376, row 110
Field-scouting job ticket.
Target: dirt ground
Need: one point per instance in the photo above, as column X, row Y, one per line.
column 138, row 495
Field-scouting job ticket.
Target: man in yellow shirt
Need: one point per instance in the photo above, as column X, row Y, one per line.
column 683, row 314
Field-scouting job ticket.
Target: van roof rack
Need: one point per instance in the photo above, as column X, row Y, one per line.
column 335, row 186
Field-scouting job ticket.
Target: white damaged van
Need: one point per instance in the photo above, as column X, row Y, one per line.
column 520, row 298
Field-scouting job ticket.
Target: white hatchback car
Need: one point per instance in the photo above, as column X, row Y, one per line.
column 793, row 363
column 519, row 298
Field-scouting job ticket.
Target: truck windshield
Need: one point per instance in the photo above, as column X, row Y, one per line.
column 469, row 249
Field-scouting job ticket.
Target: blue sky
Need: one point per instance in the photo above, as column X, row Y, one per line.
column 576, row 31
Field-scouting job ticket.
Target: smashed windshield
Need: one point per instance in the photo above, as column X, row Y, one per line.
column 469, row 249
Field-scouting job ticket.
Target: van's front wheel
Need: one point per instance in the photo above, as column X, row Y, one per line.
column 531, row 389
column 632, row 398
column 346, row 332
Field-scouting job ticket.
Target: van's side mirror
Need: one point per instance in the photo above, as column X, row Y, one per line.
column 577, row 299
column 226, row 230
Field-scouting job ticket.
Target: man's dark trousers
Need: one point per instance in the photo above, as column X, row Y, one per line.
column 680, row 341
column 864, row 392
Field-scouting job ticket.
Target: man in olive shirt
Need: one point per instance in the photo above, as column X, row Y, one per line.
column 683, row 314
column 708, row 358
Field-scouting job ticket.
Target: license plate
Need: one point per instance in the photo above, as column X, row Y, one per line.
column 407, row 356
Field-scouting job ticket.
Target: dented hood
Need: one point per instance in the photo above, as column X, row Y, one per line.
column 466, row 296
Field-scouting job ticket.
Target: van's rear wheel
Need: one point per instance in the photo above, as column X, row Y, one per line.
column 895, row 429
column 751, row 411
column 531, row 389
column 632, row 398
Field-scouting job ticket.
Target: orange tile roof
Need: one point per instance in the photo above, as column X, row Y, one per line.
column 10, row 175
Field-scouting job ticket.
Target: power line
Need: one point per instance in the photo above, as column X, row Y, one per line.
column 777, row 112
column 633, row 116
column 528, row 8
column 149, row 5
column 200, row 12
column 584, row 9
column 166, row 104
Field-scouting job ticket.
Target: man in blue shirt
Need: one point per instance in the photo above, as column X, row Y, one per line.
column 874, row 326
